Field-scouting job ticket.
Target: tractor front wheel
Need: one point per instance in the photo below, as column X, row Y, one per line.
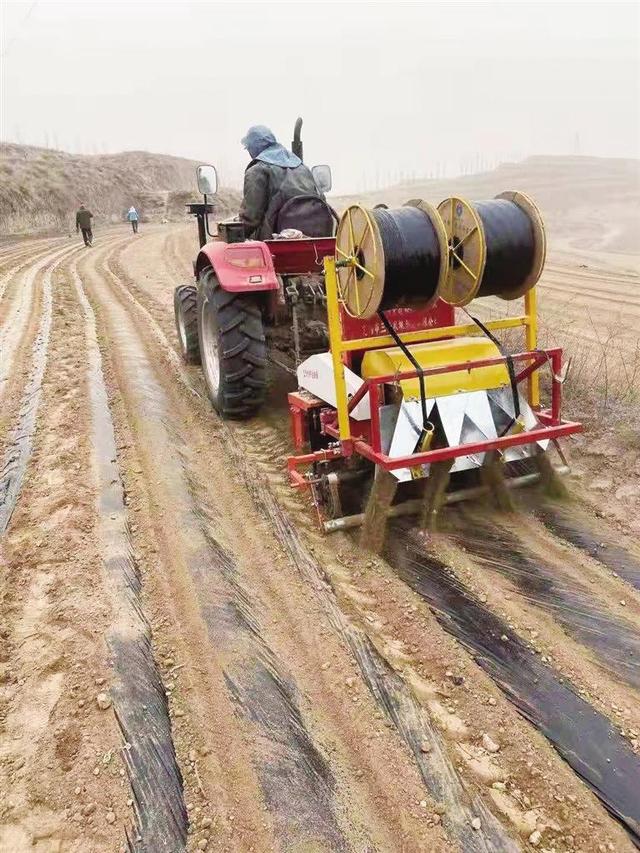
column 185, row 306
column 233, row 348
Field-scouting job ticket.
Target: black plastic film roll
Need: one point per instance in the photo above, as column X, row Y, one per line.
column 411, row 254
column 390, row 258
column 510, row 243
column 496, row 247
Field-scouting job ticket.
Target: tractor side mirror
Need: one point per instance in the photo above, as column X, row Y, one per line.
column 207, row 179
column 322, row 177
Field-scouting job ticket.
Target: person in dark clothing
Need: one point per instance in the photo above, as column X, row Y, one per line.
column 83, row 223
column 273, row 176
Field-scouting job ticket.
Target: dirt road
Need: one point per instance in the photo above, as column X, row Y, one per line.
column 186, row 663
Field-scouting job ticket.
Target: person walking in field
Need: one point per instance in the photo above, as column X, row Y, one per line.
column 83, row 223
column 132, row 216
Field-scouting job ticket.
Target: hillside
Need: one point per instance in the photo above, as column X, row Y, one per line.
column 40, row 189
column 588, row 203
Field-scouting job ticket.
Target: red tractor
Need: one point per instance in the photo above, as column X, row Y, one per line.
column 395, row 398
column 251, row 296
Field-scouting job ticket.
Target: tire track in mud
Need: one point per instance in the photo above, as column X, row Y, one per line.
column 20, row 443
column 585, row 738
column 171, row 249
column 614, row 642
column 387, row 688
column 296, row 780
column 140, row 703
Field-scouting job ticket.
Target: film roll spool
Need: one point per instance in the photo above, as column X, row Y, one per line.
column 496, row 247
column 539, row 254
column 393, row 257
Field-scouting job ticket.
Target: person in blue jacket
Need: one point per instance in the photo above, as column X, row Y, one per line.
column 132, row 216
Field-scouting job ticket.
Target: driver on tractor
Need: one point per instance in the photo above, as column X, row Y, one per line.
column 272, row 180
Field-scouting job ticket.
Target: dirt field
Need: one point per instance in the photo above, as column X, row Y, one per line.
column 187, row 663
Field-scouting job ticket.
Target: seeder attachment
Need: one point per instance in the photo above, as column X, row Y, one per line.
column 427, row 411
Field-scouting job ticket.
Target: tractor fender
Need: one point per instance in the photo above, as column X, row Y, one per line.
column 245, row 267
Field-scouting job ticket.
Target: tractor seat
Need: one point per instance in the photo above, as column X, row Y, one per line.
column 309, row 214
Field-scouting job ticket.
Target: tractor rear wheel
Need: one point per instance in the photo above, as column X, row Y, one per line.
column 233, row 348
column 185, row 306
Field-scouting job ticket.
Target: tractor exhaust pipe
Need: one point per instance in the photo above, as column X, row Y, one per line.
column 296, row 144
column 413, row 507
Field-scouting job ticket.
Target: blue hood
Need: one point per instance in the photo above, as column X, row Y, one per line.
column 262, row 145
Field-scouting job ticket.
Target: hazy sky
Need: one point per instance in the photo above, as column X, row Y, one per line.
column 385, row 89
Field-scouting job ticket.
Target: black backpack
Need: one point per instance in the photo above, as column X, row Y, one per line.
column 307, row 213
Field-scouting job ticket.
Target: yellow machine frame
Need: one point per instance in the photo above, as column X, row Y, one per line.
column 340, row 347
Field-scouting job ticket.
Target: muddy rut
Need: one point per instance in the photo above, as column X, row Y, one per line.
column 188, row 664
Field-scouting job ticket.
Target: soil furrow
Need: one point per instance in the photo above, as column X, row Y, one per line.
column 609, row 297
column 149, row 296
column 296, row 780
column 30, row 250
column 140, row 702
column 9, row 273
column 61, row 770
column 614, row 641
column 584, row 738
column 568, row 523
column 20, row 302
column 604, row 297
column 421, row 736
column 439, row 773
column 20, row 443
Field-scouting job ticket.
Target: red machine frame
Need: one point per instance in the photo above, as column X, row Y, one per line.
column 368, row 443
column 350, row 335
column 363, row 437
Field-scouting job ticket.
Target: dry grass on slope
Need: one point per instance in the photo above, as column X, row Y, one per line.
column 41, row 189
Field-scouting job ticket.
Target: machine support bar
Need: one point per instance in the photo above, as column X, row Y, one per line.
column 529, row 437
column 337, row 347
column 374, row 404
column 537, row 362
column 531, row 339
column 556, row 386
column 413, row 507
column 425, row 335
column 392, row 378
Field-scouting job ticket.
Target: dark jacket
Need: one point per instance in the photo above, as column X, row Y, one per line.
column 266, row 188
column 83, row 218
